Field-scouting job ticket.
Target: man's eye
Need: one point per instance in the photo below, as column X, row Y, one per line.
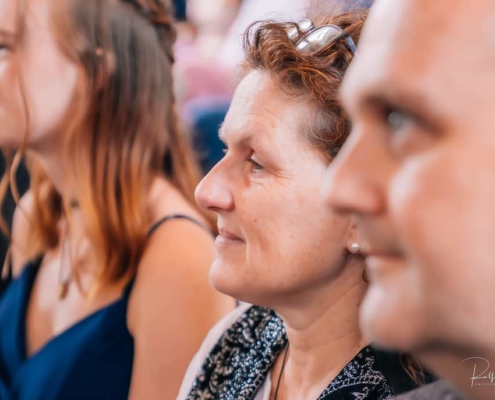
column 4, row 48
column 398, row 121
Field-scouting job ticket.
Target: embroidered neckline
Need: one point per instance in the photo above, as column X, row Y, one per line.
column 240, row 362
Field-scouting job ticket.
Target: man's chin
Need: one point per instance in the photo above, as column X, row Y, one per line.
column 388, row 325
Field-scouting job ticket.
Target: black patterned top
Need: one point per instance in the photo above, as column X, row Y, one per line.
column 240, row 361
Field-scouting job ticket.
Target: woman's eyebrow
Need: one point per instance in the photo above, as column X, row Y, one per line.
column 241, row 138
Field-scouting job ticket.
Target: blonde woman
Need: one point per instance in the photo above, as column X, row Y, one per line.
column 111, row 297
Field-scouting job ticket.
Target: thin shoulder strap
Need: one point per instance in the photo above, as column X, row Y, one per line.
column 156, row 225
column 161, row 221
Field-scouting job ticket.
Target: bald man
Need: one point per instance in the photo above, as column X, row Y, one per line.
column 418, row 175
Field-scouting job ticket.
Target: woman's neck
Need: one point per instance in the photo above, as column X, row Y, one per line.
column 51, row 160
column 324, row 335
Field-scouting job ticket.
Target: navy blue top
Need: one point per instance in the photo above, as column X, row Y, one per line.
column 90, row 360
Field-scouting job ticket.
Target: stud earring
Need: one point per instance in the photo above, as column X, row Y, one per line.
column 355, row 248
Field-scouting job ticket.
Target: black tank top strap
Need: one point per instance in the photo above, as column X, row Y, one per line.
column 161, row 221
column 128, row 287
column 156, row 225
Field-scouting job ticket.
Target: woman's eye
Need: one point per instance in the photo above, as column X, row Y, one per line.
column 255, row 167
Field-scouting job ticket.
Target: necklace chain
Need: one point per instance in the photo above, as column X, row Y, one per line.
column 64, row 275
column 281, row 371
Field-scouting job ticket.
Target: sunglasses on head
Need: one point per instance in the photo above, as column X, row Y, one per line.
column 320, row 38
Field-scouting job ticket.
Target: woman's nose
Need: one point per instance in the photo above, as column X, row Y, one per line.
column 213, row 192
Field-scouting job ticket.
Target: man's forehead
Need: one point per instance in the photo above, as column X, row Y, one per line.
column 420, row 18
column 432, row 28
column 422, row 42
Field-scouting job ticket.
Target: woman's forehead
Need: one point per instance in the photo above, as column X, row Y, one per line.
column 258, row 107
column 33, row 15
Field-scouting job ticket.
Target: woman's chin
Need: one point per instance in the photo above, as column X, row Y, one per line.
column 232, row 282
column 224, row 278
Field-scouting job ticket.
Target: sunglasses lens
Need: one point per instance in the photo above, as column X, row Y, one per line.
column 318, row 39
column 304, row 26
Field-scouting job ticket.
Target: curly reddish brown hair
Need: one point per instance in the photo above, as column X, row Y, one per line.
column 314, row 78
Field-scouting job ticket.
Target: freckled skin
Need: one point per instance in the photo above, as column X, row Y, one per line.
column 291, row 242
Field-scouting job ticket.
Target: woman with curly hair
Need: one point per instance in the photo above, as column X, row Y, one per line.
column 279, row 246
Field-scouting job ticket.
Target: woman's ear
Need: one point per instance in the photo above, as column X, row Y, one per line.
column 106, row 66
column 353, row 245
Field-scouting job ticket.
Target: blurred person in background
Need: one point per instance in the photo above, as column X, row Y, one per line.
column 318, row 6
column 417, row 174
column 111, row 295
column 279, row 247
column 179, row 10
column 206, row 67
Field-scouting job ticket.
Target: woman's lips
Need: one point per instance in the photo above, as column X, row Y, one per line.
column 227, row 237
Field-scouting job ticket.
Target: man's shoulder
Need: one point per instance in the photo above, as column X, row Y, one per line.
column 440, row 390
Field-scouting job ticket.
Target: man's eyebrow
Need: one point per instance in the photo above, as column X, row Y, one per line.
column 413, row 103
column 384, row 96
column 7, row 34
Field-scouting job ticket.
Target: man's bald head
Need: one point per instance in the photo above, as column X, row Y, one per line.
column 418, row 173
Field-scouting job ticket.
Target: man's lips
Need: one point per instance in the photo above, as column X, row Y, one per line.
column 380, row 263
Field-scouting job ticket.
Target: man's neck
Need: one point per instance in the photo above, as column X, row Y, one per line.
column 471, row 372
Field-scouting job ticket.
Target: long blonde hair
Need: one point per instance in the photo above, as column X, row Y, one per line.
column 123, row 132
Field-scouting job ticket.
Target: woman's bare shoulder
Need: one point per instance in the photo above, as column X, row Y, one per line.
column 166, row 199
column 172, row 305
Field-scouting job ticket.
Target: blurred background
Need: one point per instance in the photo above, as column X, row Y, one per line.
column 208, row 51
